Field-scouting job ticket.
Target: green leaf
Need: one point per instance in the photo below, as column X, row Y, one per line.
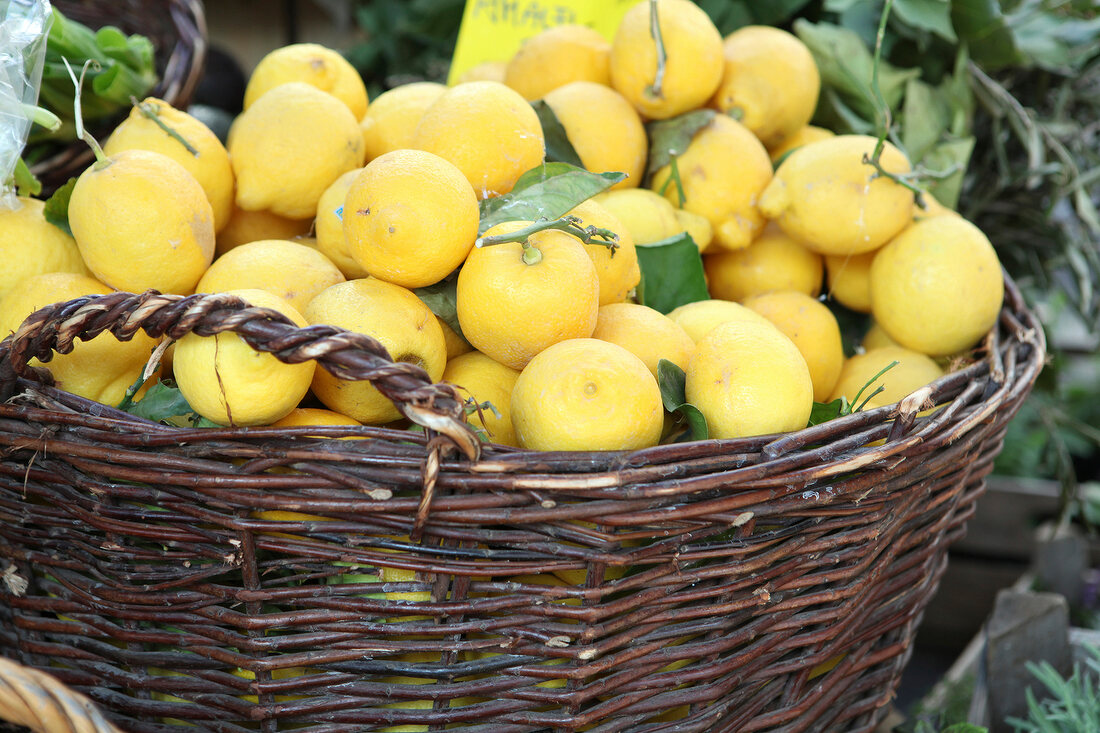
column 926, row 115
column 671, row 137
column 56, row 210
column 1054, row 41
column 442, row 299
column 558, row 147
column 826, row 411
column 673, row 385
column 26, row 184
column 548, row 191
column 672, row 273
column 981, row 25
column 163, row 402
column 965, row 728
column 941, row 158
column 929, row 15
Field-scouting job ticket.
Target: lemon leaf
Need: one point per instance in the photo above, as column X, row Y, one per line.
column 56, row 210
column 670, row 138
column 442, row 300
column 547, row 191
column 673, row 385
column 672, row 273
column 826, row 411
column 25, row 181
column 162, row 403
column 558, row 147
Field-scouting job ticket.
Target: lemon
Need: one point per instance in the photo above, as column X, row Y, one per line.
column 802, row 136
column 329, row 225
column 698, row 227
column 142, row 221
column 511, row 310
column 586, row 394
column 876, row 337
column 311, row 64
column 485, row 71
column 774, row 261
column 618, row 271
column 397, row 319
column 938, row 286
column 700, row 317
column 604, row 129
column 930, row 208
column 410, row 218
column 289, row 146
column 252, row 226
column 487, row 130
column 647, row 215
column 228, row 382
column 770, row 79
column 648, row 334
column 305, row 416
column 100, row 368
column 693, row 67
column 913, row 371
column 457, row 345
column 486, row 380
column 392, row 117
column 209, row 164
column 32, row 246
column 722, row 172
column 849, row 279
column 749, row 379
column 826, row 196
column 294, row 272
column 813, row 329
column 557, row 56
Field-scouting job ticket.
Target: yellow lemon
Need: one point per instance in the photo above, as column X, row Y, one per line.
column 617, row 271
column 142, row 221
column 512, row 310
column 228, row 382
column 393, row 116
column 770, row 79
column 693, row 64
column 849, row 279
column 557, row 56
column 774, row 261
column 648, row 334
column 876, row 337
column 329, row 225
column 294, row 272
column 485, row 71
column 930, row 208
column 289, row 146
column 586, row 394
column 410, row 218
column 802, row 136
column 913, row 371
column 457, row 345
column 393, row 316
column 749, row 379
column 938, row 286
column 209, row 163
column 486, row 380
column 722, row 172
column 647, row 215
column 700, row 317
column 603, row 128
column 826, row 196
column 252, row 226
column 813, row 329
column 33, row 246
column 311, row 64
column 487, row 130
column 101, row 368
column 305, row 416
column 698, row 226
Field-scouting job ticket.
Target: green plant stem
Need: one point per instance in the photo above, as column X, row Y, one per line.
column 42, row 117
column 871, row 381
column 674, row 177
column 568, row 224
column 150, row 111
column 662, row 55
column 100, row 157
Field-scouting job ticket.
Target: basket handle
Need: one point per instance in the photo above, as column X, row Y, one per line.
column 346, row 354
column 42, row 703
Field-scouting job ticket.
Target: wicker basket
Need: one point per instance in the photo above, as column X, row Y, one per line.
column 38, row 701
column 771, row 583
column 177, row 29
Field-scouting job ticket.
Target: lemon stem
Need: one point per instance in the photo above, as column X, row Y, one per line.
column 674, row 177
column 42, row 117
column 100, row 157
column 871, row 381
column 568, row 224
column 662, row 56
column 151, row 112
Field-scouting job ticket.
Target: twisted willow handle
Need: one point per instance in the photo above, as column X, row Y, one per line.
column 345, row 354
column 38, row 701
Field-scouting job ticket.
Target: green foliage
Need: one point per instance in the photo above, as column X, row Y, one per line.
column 673, row 384
column 558, row 147
column 442, row 299
column 546, row 191
column 1072, row 705
column 672, row 273
column 56, row 210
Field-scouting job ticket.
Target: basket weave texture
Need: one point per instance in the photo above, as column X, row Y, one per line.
column 410, row 583
column 177, row 29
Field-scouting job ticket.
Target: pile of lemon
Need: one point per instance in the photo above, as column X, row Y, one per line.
column 334, row 210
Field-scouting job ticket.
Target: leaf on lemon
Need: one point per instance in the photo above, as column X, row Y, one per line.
column 558, row 147
column 826, row 411
column 56, row 210
column 547, row 191
column 442, row 300
column 163, row 402
column 670, row 138
column 673, row 385
column 672, row 273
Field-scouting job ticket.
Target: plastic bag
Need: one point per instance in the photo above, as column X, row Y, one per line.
column 24, row 28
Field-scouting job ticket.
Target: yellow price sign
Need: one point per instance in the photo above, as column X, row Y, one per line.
column 493, row 30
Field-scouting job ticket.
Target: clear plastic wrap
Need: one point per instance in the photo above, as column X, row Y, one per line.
column 24, row 27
